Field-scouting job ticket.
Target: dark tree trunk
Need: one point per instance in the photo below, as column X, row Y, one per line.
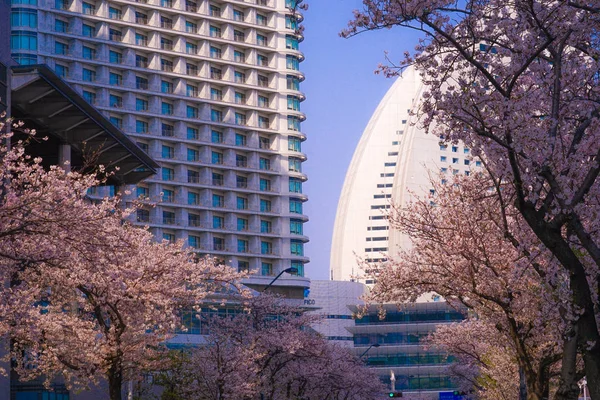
column 567, row 384
column 115, row 381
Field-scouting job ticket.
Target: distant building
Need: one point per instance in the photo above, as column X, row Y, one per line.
column 394, row 159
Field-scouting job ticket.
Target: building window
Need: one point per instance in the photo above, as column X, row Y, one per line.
column 242, row 224
column 60, row 48
column 166, row 23
column 239, row 56
column 291, row 22
column 238, row 36
column 141, row 61
column 23, row 17
column 87, row 75
column 266, row 247
column 293, row 123
column 217, row 179
column 115, row 101
column 90, row 97
column 168, row 196
column 296, row 227
column 218, row 222
column 240, row 119
column 241, row 161
column 193, row 220
column 265, row 185
column 166, row 3
column 261, row 20
column 142, row 191
column 216, row 94
column 141, row 126
column 191, row 112
column 218, row 244
column 167, row 130
column 239, row 77
column 193, row 176
column 297, row 248
column 240, row 140
column 23, row 40
column 238, row 15
column 193, row 241
column 243, row 266
column 191, row 48
column 116, row 121
column 192, row 133
column 142, row 19
column 115, row 35
column 295, row 164
column 294, row 144
column 215, row 31
column 263, row 101
column 191, row 69
column 292, row 62
column 215, row 52
column 264, row 142
column 216, row 157
column 265, row 226
column 241, row 181
column 264, row 164
column 263, row 81
column 190, row 27
column 266, row 269
column 60, row 25
column 216, row 115
column 295, row 206
column 166, row 44
column 293, row 103
column 240, row 98
column 115, row 79
column 216, row 137
column 261, row 60
column 114, row 13
column 141, row 105
column 169, row 237
column 115, row 57
column 168, row 174
column 167, row 152
column 261, row 40
column 168, row 217
column 292, row 82
column 299, row 266
column 291, row 42
column 265, row 205
column 218, row 200
column 88, row 30
column 241, row 203
column 263, row 122
column 87, row 8
column 166, row 65
column 193, row 199
column 166, row 108
column 214, row 11
column 142, row 215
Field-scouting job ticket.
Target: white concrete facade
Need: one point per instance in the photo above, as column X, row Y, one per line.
column 394, row 161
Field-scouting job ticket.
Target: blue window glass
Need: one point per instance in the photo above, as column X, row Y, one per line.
column 291, row 42
column 23, row 17
column 115, row 79
column 168, row 174
column 218, row 200
column 242, row 246
column 193, row 241
column 296, row 227
column 167, row 152
column 294, row 164
column 299, row 266
column 60, row 48
column 23, row 40
column 265, row 226
column 88, row 75
column 291, row 22
column 141, row 126
column 242, row 224
column 166, row 87
column 90, row 97
column 293, row 103
column 292, row 62
column 193, row 198
column 216, row 137
column 115, row 57
column 292, row 82
column 240, row 140
column 294, row 144
column 116, row 121
column 266, row 269
column 88, row 8
column 142, row 191
column 115, row 101
column 193, row 155
column 241, row 203
column 216, row 157
column 192, row 112
column 191, row 91
column 88, row 31
column 192, row 133
column 266, row 247
column 218, row 222
column 166, row 108
column 264, row 164
column 265, row 184
column 295, row 206
column 216, row 116
column 240, row 119
column 293, row 123
column 297, row 248
column 265, row 205
column 88, row 53
column 61, row 70
column 60, row 25
column 141, row 104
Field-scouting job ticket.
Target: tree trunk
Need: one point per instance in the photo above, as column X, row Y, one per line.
column 567, row 384
column 115, row 381
column 522, row 385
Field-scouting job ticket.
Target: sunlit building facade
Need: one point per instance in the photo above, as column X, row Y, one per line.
column 211, row 90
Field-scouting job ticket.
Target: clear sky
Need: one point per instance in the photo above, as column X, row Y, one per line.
column 342, row 92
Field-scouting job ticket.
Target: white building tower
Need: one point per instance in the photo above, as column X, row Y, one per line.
column 392, row 163
column 211, row 90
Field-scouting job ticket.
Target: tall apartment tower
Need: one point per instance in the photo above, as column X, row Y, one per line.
column 393, row 162
column 211, row 90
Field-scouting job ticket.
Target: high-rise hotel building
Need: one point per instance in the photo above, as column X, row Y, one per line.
column 210, row 89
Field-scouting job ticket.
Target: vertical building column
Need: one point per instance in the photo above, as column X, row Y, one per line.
column 64, row 157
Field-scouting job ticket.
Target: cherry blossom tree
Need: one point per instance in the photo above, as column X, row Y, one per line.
column 265, row 350
column 471, row 246
column 517, row 82
column 86, row 295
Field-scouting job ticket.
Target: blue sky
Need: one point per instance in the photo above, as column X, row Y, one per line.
column 342, row 92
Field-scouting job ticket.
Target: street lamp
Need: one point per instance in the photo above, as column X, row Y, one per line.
column 367, row 350
column 291, row 270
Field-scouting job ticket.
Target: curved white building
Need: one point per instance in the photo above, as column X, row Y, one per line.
column 392, row 162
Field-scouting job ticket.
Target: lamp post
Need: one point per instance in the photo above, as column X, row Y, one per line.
column 367, row 350
column 290, row 270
